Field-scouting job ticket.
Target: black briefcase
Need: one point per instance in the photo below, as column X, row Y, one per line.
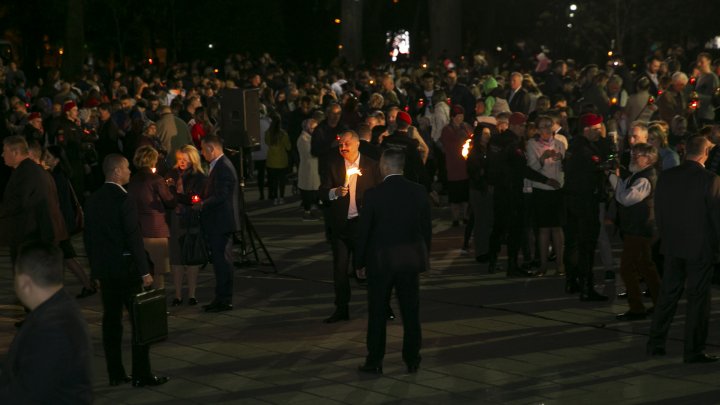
column 149, row 317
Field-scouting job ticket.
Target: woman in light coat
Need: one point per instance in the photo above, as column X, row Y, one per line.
column 308, row 177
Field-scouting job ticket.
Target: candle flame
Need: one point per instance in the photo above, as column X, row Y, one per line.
column 466, row 149
column 350, row 172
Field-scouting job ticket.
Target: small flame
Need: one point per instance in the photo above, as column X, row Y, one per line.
column 466, row 149
column 154, row 170
column 351, row 172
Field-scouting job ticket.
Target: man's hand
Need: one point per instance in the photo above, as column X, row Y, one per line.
column 553, row 183
column 147, row 280
column 342, row 191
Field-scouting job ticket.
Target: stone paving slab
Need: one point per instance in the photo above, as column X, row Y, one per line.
column 487, row 339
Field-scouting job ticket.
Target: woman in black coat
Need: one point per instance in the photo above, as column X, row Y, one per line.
column 56, row 163
column 188, row 178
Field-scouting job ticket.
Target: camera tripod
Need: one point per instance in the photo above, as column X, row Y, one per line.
column 248, row 238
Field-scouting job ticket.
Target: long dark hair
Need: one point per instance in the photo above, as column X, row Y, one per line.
column 59, row 153
column 274, row 133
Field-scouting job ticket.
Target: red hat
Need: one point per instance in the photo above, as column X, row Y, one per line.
column 517, row 118
column 457, row 109
column 404, row 117
column 34, row 116
column 69, row 106
column 590, row 119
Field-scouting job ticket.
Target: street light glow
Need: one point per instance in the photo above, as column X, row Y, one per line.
column 337, row 21
column 210, row 46
column 573, row 7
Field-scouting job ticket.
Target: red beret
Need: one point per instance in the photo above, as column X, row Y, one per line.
column 517, row 118
column 590, row 119
column 69, row 106
column 457, row 109
column 34, row 116
column 404, row 117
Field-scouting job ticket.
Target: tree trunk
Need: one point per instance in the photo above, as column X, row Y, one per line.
column 351, row 30
column 445, row 28
column 74, row 49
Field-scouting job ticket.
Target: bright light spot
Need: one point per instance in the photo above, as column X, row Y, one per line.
column 399, row 43
column 340, row 46
column 572, row 15
column 713, row 43
column 61, row 51
column 210, row 46
column 610, row 53
column 150, row 61
column 465, row 149
column 569, row 25
column 573, row 7
column 215, row 71
column 499, row 48
column 337, row 21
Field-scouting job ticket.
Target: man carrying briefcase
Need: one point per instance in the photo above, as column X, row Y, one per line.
column 119, row 264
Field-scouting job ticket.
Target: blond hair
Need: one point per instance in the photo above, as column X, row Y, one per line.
column 145, row 156
column 194, row 158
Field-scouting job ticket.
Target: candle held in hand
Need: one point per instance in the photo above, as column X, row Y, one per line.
column 351, row 172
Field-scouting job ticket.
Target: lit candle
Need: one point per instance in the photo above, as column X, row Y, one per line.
column 350, row 172
column 153, row 170
column 195, row 199
column 466, row 149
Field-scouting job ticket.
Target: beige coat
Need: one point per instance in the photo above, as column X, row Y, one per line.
column 308, row 177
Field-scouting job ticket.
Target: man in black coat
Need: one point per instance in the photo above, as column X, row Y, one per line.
column 687, row 213
column 119, row 263
column 414, row 169
column 344, row 195
column 30, row 210
column 220, row 217
column 394, row 244
column 518, row 98
column 49, row 361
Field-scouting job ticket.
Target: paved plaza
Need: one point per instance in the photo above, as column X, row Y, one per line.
column 486, row 339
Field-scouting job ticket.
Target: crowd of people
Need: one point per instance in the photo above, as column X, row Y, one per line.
column 543, row 160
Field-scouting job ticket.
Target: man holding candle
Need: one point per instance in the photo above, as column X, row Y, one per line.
column 342, row 187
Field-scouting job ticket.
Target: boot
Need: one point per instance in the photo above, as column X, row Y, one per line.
column 514, row 271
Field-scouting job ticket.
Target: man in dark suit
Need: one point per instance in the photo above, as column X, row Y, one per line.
column 344, row 195
column 394, row 243
column 687, row 213
column 119, row 263
column 518, row 98
column 49, row 361
column 30, row 209
column 220, row 217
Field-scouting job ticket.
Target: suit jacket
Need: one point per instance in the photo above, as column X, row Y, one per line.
column 113, row 240
column 152, row 196
column 519, row 103
column 221, row 199
column 335, row 177
column 30, row 210
column 395, row 228
column 687, row 212
column 50, row 358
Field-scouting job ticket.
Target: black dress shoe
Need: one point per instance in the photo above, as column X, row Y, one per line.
column 177, row 302
column 192, row 301
column 592, row 295
column 412, row 367
column 219, row 307
column 656, row 351
column 631, row 316
column 701, row 358
column 518, row 273
column 122, row 380
column 338, row 316
column 390, row 315
column 149, row 381
column 370, row 369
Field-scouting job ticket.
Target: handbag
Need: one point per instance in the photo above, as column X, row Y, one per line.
column 193, row 251
column 79, row 224
column 149, row 317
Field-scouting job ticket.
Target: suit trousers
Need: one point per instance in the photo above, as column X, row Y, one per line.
column 507, row 223
column 678, row 274
column 343, row 247
column 407, row 287
column 581, row 230
column 635, row 262
column 115, row 296
column 220, row 245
